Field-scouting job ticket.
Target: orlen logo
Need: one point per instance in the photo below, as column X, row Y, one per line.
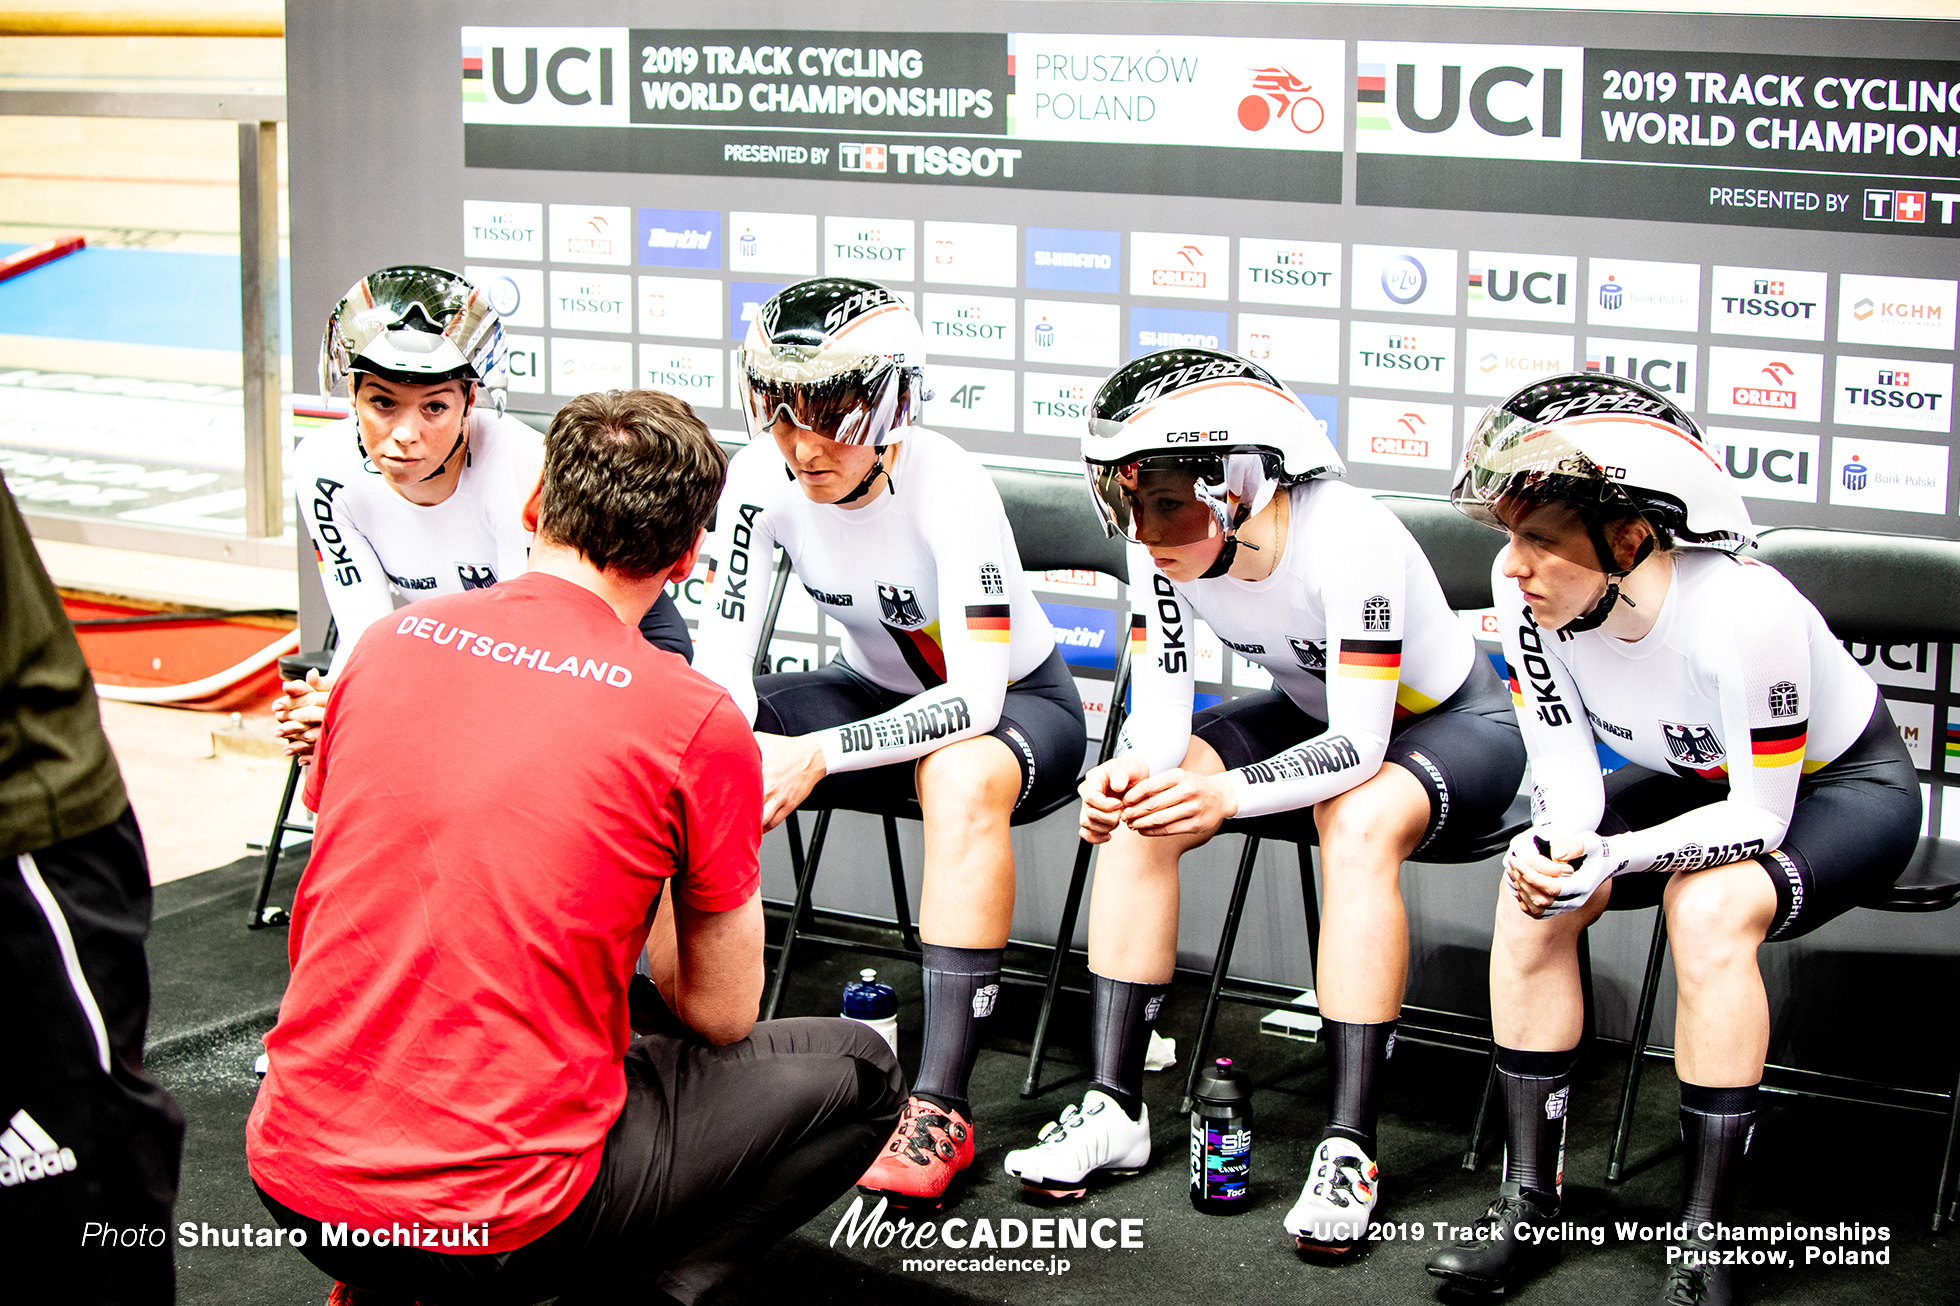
column 594, row 235
column 1189, row 276
column 1770, row 396
column 1281, row 98
column 1412, row 444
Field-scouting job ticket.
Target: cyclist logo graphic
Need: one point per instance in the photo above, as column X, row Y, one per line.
column 1290, row 102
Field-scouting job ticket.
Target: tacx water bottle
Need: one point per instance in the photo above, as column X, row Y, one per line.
column 1221, row 1139
column 866, row 1000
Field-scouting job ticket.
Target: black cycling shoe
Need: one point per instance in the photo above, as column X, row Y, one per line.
column 1694, row 1280
column 1488, row 1263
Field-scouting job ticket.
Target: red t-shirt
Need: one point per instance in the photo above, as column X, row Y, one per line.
column 505, row 780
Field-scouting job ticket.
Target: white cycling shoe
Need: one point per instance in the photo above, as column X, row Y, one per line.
column 1096, row 1136
column 1338, row 1200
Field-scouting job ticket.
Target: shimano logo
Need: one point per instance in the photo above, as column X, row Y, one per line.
column 1068, row 258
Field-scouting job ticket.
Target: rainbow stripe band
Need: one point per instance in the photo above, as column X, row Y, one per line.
column 989, row 623
column 1779, row 745
column 1371, row 659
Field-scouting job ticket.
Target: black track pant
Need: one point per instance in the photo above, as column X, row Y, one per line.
column 89, row 1147
column 718, row 1153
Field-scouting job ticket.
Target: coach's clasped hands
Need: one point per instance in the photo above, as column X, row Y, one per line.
column 297, row 715
column 1173, row 802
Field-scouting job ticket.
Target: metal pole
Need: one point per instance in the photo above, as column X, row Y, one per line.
column 258, row 285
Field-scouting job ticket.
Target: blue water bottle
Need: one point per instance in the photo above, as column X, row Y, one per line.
column 874, row 1004
column 1221, row 1139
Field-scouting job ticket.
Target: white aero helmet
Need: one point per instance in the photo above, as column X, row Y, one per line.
column 838, row 356
column 1184, row 444
column 418, row 325
column 1605, row 448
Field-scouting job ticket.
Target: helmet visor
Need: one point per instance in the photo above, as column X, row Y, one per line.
column 1165, row 500
column 842, row 395
column 418, row 322
column 1535, row 483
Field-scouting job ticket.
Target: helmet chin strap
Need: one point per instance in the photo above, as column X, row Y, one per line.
column 1229, row 554
column 1596, row 616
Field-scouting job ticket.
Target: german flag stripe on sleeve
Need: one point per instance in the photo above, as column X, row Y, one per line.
column 1779, row 745
column 1371, row 659
column 988, row 622
column 1517, row 691
column 1138, row 637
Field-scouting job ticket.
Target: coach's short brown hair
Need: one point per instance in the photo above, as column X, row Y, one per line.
column 630, row 478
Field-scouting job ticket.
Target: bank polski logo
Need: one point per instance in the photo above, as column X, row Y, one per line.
column 773, row 242
column 1452, row 100
column 1402, row 357
column 1070, row 332
column 1768, row 464
column 1894, row 393
column 1889, row 474
column 1300, row 272
column 1644, row 294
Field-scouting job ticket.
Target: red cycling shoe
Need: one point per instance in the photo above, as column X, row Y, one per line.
column 930, row 1146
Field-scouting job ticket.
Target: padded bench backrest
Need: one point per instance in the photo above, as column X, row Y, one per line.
column 1460, row 551
column 1880, row 589
column 1055, row 526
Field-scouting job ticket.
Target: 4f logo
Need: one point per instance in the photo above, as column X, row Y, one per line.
column 899, row 606
column 475, row 577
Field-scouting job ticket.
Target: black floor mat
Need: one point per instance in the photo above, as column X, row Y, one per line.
column 217, row 987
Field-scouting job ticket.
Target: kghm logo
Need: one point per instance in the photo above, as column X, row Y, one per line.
column 1291, row 103
column 1403, row 279
column 1772, row 395
column 1854, row 473
column 1611, row 294
column 1371, row 97
column 1863, row 309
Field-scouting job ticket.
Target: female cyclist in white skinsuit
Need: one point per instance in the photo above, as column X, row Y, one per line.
column 949, row 686
column 1768, row 786
column 418, row 493
column 1387, row 734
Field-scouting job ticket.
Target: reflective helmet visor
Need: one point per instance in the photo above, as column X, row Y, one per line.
column 418, row 324
column 1537, row 484
column 849, row 397
column 1170, row 500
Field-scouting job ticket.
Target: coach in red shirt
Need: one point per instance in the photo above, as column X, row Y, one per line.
column 507, row 781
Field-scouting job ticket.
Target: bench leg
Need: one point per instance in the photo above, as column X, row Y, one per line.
column 1650, row 987
column 806, row 865
column 1064, row 938
column 1945, row 1207
column 273, row 845
column 1226, row 941
column 1473, row 1155
column 901, row 900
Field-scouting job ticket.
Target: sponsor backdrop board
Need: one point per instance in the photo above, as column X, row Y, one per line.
column 1403, row 211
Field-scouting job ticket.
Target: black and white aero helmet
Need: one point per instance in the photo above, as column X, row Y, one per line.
column 1220, row 421
column 838, row 356
column 1608, row 447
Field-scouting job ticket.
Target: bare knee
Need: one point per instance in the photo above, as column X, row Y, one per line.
column 1524, row 944
column 974, row 783
column 1716, row 919
column 1370, row 829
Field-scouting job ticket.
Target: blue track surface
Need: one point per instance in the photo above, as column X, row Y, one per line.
column 132, row 297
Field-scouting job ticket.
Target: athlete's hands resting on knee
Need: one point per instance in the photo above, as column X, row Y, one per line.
column 791, row 767
column 1180, row 802
column 298, row 713
column 1554, row 874
column 1103, row 791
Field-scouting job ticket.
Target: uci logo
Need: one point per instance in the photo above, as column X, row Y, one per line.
column 1470, row 97
column 573, row 75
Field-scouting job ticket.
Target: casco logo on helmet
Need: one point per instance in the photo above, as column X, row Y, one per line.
column 1194, row 437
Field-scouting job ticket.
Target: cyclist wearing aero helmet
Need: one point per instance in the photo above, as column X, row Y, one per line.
column 1228, row 489
column 1767, row 789
column 949, row 685
column 418, row 493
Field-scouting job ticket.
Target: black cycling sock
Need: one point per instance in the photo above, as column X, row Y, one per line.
column 960, row 987
column 1124, row 1013
column 1716, row 1124
column 1357, row 1056
column 1537, row 1087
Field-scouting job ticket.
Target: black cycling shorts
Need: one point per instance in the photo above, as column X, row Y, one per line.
column 1041, row 723
column 1851, row 833
column 1466, row 751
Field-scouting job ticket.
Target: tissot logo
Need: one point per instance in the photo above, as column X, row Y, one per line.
column 980, row 326
column 1768, row 302
column 1056, row 405
column 1307, row 273
column 503, row 231
column 1882, row 392
column 872, row 248
column 1468, row 101
column 854, row 156
column 1404, row 359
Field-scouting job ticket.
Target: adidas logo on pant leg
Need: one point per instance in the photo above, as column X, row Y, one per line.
column 27, row 1153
